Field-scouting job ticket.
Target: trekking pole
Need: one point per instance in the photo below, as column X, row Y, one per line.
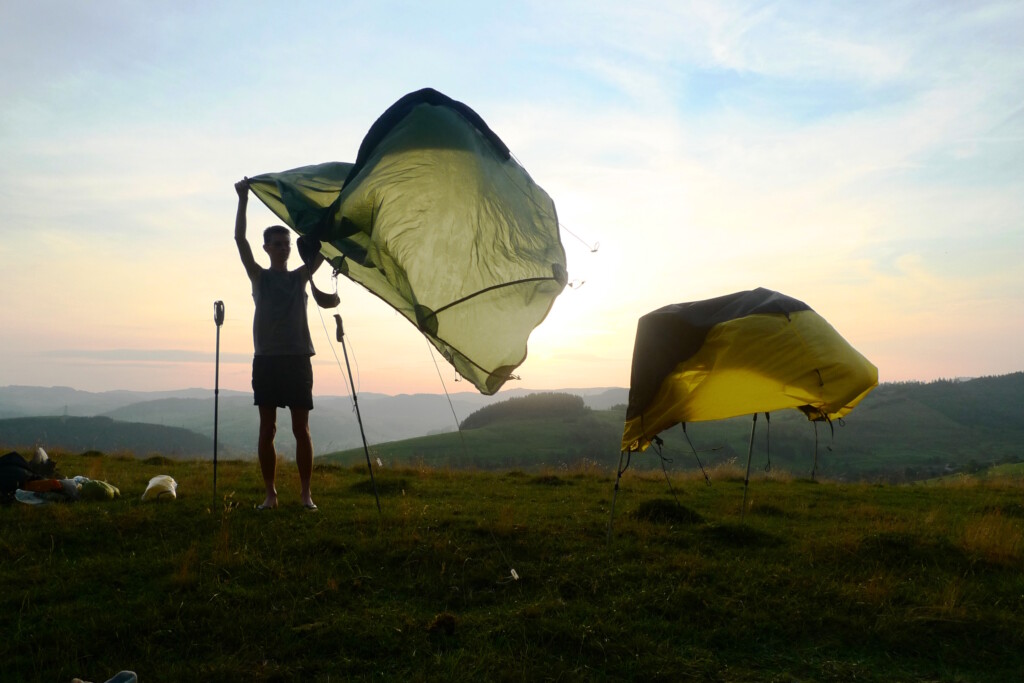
column 611, row 518
column 355, row 402
column 218, row 318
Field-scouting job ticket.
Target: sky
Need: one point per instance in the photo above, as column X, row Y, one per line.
column 866, row 158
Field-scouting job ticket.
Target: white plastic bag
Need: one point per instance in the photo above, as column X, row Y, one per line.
column 161, row 487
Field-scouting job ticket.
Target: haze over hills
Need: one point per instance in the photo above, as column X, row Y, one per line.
column 28, row 401
column 901, row 431
column 333, row 421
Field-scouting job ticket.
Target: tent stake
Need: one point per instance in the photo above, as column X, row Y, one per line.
column 814, row 469
column 355, row 402
column 750, row 452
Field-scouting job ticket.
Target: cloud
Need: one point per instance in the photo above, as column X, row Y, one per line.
column 861, row 157
column 145, row 355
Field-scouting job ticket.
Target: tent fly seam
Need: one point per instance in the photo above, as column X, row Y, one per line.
column 492, row 288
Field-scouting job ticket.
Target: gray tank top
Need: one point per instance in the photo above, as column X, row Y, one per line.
column 279, row 327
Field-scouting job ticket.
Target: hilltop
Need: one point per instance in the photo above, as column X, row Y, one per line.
column 900, row 432
column 80, row 434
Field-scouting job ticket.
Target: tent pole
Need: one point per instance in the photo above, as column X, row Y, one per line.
column 814, row 469
column 750, row 453
column 355, row 402
column 615, row 495
column 218, row 319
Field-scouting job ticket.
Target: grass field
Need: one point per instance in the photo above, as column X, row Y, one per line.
column 511, row 576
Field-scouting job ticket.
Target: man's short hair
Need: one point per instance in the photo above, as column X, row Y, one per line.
column 269, row 233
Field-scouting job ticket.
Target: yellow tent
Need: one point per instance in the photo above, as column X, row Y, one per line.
column 739, row 354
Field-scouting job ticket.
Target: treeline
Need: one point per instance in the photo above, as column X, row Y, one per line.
column 554, row 405
column 79, row 434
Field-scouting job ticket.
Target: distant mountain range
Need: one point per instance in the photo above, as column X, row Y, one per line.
column 332, row 422
column 901, row 431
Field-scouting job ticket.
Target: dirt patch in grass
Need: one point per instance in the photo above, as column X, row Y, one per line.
column 740, row 536
column 384, row 486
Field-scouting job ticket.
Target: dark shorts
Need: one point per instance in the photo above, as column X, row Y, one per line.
column 282, row 381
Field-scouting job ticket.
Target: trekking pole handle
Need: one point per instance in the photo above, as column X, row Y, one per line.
column 218, row 312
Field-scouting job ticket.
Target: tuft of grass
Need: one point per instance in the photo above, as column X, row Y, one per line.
column 994, row 537
column 185, row 575
column 443, row 624
column 1015, row 510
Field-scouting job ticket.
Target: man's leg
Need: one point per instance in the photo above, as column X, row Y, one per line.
column 267, row 453
column 303, row 452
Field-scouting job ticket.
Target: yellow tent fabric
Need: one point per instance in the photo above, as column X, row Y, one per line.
column 436, row 218
column 744, row 353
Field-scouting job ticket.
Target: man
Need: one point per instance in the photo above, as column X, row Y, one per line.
column 282, row 373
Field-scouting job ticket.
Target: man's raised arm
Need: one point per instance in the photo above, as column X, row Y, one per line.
column 244, row 250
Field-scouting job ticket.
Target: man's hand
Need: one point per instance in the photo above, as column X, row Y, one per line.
column 308, row 248
column 242, row 188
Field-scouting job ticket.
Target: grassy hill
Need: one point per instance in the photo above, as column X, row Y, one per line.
column 510, row 444
column 102, row 434
column 900, row 432
column 471, row 576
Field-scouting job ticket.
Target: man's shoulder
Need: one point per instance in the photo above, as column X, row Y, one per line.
column 280, row 276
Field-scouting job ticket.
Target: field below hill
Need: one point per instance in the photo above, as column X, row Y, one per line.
column 471, row 575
